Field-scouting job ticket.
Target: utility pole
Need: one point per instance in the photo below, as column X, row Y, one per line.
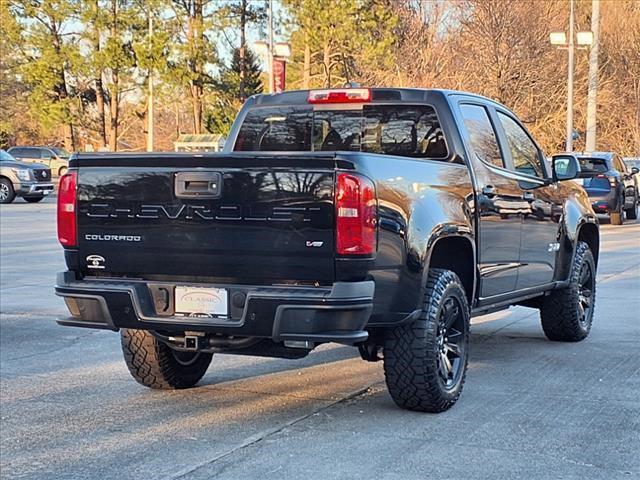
column 569, row 145
column 150, row 99
column 592, row 103
column 243, row 49
column 271, row 86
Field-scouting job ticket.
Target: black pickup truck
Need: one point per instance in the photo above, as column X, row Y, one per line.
column 381, row 218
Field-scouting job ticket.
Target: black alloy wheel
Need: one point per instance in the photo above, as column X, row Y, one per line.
column 452, row 343
column 586, row 288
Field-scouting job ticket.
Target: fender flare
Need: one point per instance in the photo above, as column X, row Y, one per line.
column 450, row 231
column 571, row 230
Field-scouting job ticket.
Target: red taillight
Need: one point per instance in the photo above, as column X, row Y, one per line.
column 356, row 215
column 612, row 180
column 343, row 95
column 67, row 210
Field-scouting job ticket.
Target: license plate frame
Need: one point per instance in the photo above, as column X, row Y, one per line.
column 201, row 301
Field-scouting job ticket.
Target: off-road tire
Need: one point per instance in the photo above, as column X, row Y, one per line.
column 411, row 351
column 33, row 199
column 8, row 190
column 155, row 365
column 560, row 312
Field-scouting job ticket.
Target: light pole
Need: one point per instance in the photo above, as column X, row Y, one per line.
column 569, row 147
column 271, row 86
column 276, row 55
column 560, row 39
column 592, row 104
column 150, row 99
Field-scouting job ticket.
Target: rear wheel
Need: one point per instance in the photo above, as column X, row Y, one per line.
column 7, row 194
column 155, row 365
column 632, row 213
column 567, row 313
column 617, row 217
column 425, row 362
column 33, row 199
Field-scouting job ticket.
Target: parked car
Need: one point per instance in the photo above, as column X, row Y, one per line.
column 632, row 163
column 31, row 181
column 380, row 218
column 55, row 158
column 610, row 185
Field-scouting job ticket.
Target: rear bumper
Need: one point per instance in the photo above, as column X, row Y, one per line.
column 604, row 203
column 337, row 313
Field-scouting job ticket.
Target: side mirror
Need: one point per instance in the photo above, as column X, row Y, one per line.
column 634, row 170
column 565, row 167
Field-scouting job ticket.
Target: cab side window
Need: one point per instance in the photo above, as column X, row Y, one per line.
column 524, row 152
column 482, row 137
column 31, row 153
column 18, row 152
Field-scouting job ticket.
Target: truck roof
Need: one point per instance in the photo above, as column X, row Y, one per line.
column 379, row 94
column 603, row 155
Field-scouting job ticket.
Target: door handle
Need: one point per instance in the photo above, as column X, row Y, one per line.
column 198, row 185
column 489, row 191
column 528, row 196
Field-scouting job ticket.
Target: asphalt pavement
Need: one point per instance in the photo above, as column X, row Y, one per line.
column 530, row 408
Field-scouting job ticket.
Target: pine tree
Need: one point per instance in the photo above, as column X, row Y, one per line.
column 194, row 52
column 236, row 17
column 232, row 89
column 334, row 41
column 231, row 81
column 50, row 56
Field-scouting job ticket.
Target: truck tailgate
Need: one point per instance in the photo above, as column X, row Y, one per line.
column 242, row 218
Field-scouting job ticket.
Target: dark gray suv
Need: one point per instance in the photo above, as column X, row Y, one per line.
column 31, row 181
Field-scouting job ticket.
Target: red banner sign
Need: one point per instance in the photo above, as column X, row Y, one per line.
column 279, row 74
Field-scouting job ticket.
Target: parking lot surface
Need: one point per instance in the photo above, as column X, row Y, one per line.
column 530, row 408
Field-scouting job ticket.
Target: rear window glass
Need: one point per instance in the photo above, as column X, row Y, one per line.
column 405, row 130
column 592, row 166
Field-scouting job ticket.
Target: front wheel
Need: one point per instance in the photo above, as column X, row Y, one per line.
column 7, row 193
column 156, row 365
column 632, row 213
column 62, row 171
column 425, row 362
column 567, row 313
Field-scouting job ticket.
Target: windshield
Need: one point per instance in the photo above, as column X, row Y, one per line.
column 405, row 130
column 5, row 157
column 61, row 153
